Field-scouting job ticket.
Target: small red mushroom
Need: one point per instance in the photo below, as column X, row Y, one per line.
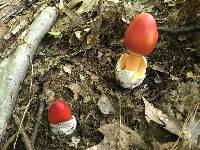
column 59, row 112
column 141, row 35
column 60, row 117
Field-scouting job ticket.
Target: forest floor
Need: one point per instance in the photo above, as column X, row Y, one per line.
column 76, row 61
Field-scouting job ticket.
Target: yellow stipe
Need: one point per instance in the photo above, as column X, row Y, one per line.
column 135, row 62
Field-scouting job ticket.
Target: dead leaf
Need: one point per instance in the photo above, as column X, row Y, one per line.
column 99, row 54
column 189, row 130
column 61, row 6
column 174, row 77
column 173, row 3
column 87, row 99
column 78, row 34
column 67, row 69
column 190, row 75
column 158, row 67
column 167, row 146
column 86, row 6
column 157, row 80
column 138, row 6
column 49, row 95
column 104, row 105
column 74, row 142
column 3, row 2
column 112, row 1
column 76, row 89
column 156, row 115
column 3, row 29
column 55, row 34
column 170, row 2
column 153, row 113
column 117, row 136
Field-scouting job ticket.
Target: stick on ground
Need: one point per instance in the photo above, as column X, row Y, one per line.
column 37, row 124
column 26, row 139
column 13, row 69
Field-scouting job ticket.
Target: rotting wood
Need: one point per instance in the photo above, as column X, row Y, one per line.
column 8, row 11
column 13, row 69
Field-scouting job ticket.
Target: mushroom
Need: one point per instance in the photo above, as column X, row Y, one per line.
column 61, row 119
column 140, row 39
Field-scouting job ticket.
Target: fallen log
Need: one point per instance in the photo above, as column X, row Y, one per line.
column 13, row 69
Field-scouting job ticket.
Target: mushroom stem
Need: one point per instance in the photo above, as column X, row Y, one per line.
column 135, row 62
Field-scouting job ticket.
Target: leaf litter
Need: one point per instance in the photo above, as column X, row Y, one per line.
column 117, row 136
column 105, row 105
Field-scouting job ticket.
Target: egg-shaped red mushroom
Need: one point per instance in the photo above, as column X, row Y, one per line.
column 61, row 119
column 141, row 35
column 59, row 112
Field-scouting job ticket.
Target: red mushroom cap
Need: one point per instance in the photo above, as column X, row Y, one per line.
column 59, row 112
column 141, row 35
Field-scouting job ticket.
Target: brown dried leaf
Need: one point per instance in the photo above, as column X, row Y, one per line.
column 158, row 67
column 153, row 113
column 174, row 77
column 105, row 105
column 117, row 136
column 189, row 131
column 76, row 89
column 86, row 6
column 3, row 29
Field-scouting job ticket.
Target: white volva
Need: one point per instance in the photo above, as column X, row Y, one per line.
column 131, row 78
column 64, row 128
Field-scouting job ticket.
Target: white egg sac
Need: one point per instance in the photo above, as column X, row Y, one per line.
column 64, row 128
column 130, row 70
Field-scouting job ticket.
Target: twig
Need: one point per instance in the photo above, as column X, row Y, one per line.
column 98, row 24
column 174, row 147
column 13, row 69
column 26, row 139
column 10, row 140
column 37, row 125
column 190, row 118
column 182, row 30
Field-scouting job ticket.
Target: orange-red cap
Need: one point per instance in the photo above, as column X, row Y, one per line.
column 59, row 112
column 141, row 35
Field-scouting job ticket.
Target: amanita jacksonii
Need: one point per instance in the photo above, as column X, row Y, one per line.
column 60, row 117
column 140, row 39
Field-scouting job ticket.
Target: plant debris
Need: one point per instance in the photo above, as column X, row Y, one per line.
column 117, row 136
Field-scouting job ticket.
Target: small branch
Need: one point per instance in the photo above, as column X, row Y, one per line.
column 37, row 124
column 98, row 24
column 182, row 30
column 13, row 69
column 10, row 140
column 26, row 139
